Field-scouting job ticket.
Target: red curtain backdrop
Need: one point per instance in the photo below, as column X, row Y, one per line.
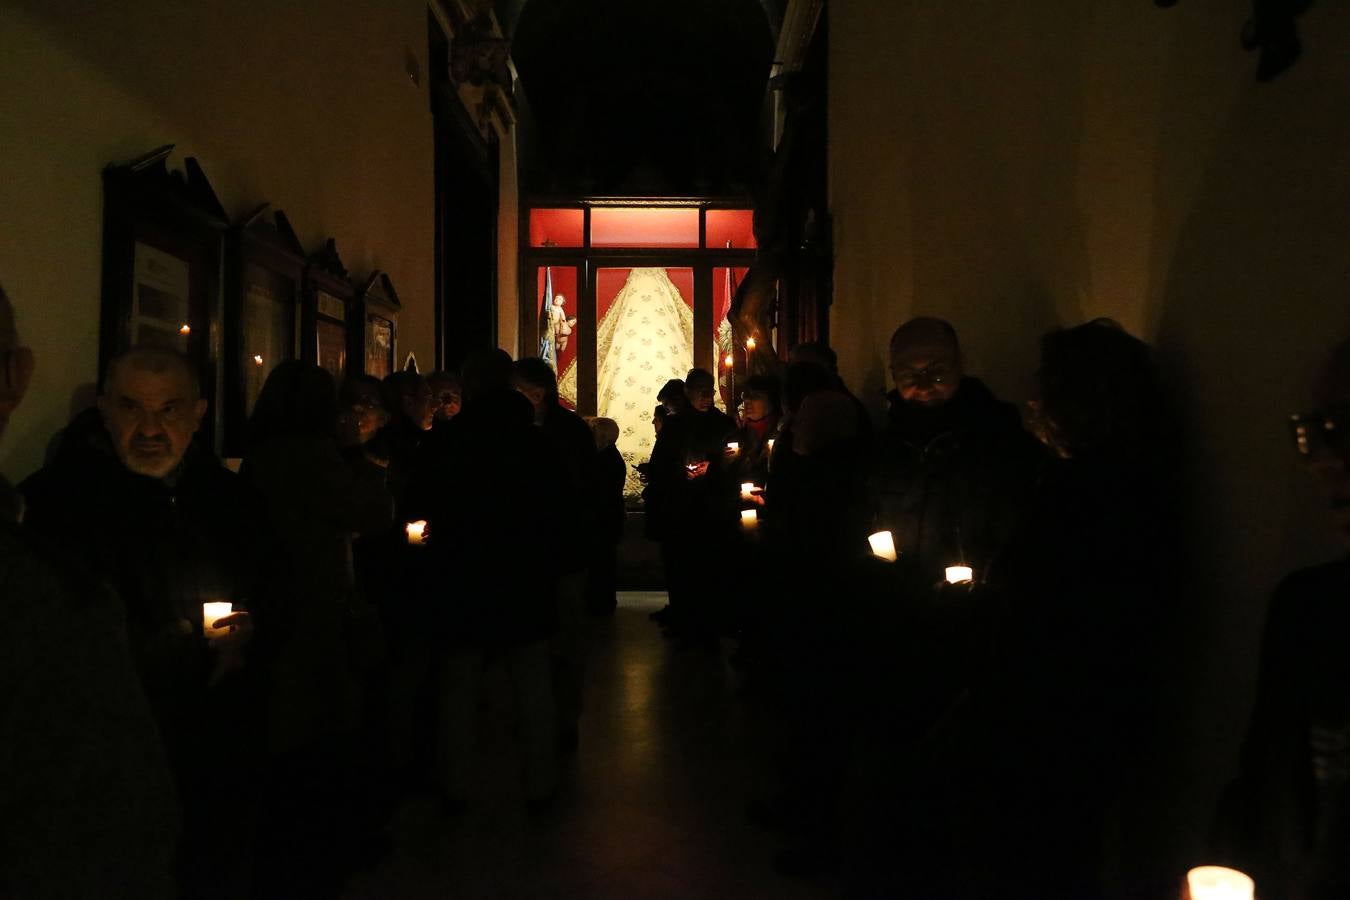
column 735, row 225
column 644, row 227
column 565, row 283
column 561, row 227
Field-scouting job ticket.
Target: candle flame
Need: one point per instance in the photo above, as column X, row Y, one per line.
column 257, row 359
column 750, row 344
column 186, row 329
column 729, row 361
column 960, row 574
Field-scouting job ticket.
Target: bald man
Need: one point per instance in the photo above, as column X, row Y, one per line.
column 953, row 463
column 133, row 501
column 86, row 802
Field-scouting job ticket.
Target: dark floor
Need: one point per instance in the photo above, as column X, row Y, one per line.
column 653, row 805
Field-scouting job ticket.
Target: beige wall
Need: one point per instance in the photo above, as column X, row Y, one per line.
column 1017, row 166
column 305, row 104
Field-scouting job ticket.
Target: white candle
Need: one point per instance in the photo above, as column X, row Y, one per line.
column 960, row 574
column 734, row 446
column 1218, row 883
column 749, row 519
column 211, row 613
column 771, row 440
column 416, row 531
column 748, row 489
column 883, row 545
column 750, row 344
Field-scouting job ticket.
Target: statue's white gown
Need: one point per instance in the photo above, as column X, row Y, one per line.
column 645, row 339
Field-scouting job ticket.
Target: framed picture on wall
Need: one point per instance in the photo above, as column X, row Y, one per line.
column 327, row 311
column 264, row 275
column 379, row 309
column 163, row 241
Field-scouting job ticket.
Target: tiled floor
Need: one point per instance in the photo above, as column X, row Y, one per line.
column 653, row 806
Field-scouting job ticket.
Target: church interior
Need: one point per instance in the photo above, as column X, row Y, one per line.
column 630, row 190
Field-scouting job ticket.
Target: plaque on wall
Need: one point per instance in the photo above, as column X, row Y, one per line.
column 379, row 307
column 265, row 270
column 163, row 239
column 329, row 295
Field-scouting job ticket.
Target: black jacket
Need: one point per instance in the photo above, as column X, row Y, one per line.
column 677, row 505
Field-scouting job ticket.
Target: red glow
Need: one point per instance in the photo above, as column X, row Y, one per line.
column 562, row 227
column 644, row 227
column 735, row 225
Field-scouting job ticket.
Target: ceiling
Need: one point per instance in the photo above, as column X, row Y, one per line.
column 637, row 97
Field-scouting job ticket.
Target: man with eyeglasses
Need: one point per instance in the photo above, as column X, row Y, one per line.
column 952, row 462
column 1287, row 817
column 129, row 498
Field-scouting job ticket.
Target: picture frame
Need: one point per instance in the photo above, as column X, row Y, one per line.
column 163, row 244
column 379, row 306
column 327, row 312
column 264, row 273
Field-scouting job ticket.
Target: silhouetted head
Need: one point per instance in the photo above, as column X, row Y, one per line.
column 605, row 431
column 816, row 352
column 536, row 379
column 762, row 397
column 698, row 389
column 297, row 399
column 659, row 416
column 447, row 395
column 672, row 397
column 801, row 380
column 152, row 405
column 1099, row 390
column 361, row 412
column 16, row 363
column 1322, row 435
column 485, row 371
column 926, row 361
column 407, row 394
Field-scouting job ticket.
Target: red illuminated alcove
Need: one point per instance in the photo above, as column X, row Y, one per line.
column 734, row 225
column 557, row 227
column 644, row 227
column 565, row 283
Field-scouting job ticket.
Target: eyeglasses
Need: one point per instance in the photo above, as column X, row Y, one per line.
column 934, row 374
column 1321, row 432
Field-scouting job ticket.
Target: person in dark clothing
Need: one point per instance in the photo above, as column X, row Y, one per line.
column 823, row 357
column 1286, row 819
column 569, row 489
column 484, row 488
column 691, row 504
column 447, row 395
column 131, row 500
column 87, row 802
column 1063, row 687
column 607, row 482
column 953, row 467
column 760, row 415
column 309, row 617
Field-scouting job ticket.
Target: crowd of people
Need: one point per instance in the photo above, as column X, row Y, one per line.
column 948, row 618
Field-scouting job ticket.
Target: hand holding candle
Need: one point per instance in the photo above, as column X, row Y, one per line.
column 749, row 519
column 416, row 532
column 1218, row 883
column 213, row 613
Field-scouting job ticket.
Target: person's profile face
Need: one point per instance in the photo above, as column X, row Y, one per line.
column 755, row 406
column 418, row 406
column 926, row 376
column 449, row 402
column 151, row 417
column 359, row 422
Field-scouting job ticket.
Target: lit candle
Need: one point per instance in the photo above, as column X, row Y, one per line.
column 257, row 359
column 883, row 546
column 748, row 489
column 1218, row 883
column 771, row 440
column 186, row 329
column 749, row 519
column 750, row 345
column 416, row 531
column 960, row 574
column 734, row 446
column 730, row 360
column 213, row 612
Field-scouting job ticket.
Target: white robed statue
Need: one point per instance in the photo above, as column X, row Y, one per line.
column 645, row 338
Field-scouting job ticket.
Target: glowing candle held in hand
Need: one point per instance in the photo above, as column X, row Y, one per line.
column 733, row 446
column 770, row 444
column 186, row 329
column 749, row 519
column 748, row 490
column 211, row 613
column 257, row 359
column 1218, row 883
column 730, row 360
column 960, row 575
column 750, row 345
column 416, row 531
column 883, row 546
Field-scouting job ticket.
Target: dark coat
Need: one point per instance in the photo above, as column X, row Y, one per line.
column 484, row 487
column 164, row 546
column 315, row 504
column 951, row 483
column 572, row 449
column 677, row 505
column 87, row 804
column 608, row 474
column 1286, row 821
